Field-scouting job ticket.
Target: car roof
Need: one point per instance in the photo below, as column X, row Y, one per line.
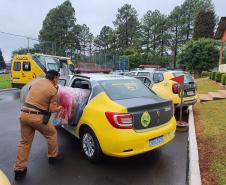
column 101, row 76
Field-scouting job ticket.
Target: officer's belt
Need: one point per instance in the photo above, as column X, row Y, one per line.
column 34, row 107
column 30, row 112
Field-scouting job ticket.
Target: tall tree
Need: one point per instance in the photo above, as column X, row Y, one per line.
column 190, row 8
column 2, row 61
column 204, row 24
column 58, row 27
column 90, row 44
column 127, row 26
column 175, row 23
column 102, row 41
column 106, row 41
column 84, row 38
column 154, row 32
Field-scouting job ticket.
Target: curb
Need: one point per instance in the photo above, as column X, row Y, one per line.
column 194, row 171
column 9, row 89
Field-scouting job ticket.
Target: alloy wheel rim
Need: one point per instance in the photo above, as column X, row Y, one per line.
column 88, row 144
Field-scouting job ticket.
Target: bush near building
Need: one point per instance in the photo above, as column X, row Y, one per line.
column 213, row 75
column 223, row 79
column 218, row 76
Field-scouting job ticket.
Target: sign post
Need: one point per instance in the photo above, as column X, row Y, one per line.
column 181, row 125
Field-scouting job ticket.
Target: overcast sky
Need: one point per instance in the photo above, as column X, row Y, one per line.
column 25, row 17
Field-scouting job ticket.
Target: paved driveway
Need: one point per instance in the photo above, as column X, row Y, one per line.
column 165, row 166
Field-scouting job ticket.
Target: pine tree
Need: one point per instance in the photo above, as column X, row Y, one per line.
column 204, row 24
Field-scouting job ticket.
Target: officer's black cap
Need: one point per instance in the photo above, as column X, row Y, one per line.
column 51, row 74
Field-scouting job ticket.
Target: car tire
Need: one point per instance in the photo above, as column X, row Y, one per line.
column 90, row 146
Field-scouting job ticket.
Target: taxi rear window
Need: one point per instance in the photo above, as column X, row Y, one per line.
column 125, row 89
column 187, row 77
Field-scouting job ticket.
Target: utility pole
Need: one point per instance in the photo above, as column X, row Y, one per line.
column 28, row 44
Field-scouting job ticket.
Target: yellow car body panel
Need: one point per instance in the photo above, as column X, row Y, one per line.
column 164, row 89
column 3, row 179
column 120, row 142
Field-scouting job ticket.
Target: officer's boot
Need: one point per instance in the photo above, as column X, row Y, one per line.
column 19, row 174
column 58, row 158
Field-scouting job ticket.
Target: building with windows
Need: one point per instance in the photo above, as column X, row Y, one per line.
column 221, row 35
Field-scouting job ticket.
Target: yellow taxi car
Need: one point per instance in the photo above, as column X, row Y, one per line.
column 121, row 116
column 27, row 67
column 3, row 179
column 160, row 82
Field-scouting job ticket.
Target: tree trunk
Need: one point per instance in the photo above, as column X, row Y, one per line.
column 154, row 46
column 162, row 43
column 175, row 47
column 148, row 40
column 127, row 37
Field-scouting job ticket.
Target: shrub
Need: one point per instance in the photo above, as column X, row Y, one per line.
column 213, row 75
column 218, row 76
column 210, row 75
column 223, row 79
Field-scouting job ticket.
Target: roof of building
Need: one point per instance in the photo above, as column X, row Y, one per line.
column 221, row 28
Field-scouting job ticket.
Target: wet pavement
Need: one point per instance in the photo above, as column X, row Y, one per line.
column 165, row 166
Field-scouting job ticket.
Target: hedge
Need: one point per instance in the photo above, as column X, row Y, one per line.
column 218, row 76
column 210, row 74
column 223, row 79
column 213, row 75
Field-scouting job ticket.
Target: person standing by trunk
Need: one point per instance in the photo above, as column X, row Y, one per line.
column 40, row 102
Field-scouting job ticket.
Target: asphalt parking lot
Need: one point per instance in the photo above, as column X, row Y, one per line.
column 165, row 166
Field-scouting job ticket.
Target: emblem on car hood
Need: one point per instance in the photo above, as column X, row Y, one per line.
column 145, row 119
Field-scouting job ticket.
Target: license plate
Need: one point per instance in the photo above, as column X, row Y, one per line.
column 190, row 93
column 156, row 141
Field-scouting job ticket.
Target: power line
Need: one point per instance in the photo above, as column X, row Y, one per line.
column 17, row 35
column 31, row 38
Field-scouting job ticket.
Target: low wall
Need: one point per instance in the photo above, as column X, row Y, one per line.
column 222, row 68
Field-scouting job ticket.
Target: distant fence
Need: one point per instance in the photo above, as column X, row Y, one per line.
column 104, row 61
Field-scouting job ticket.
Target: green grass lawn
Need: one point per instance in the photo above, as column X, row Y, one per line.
column 206, row 85
column 5, row 81
column 211, row 123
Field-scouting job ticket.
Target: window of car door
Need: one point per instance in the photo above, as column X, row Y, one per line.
column 158, row 77
column 81, row 83
column 146, row 81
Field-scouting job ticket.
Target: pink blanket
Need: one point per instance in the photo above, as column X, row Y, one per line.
column 69, row 98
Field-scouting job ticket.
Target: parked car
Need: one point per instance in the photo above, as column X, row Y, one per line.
column 4, row 71
column 121, row 116
column 132, row 73
column 160, row 82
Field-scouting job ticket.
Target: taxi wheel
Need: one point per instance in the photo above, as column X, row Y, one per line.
column 90, row 146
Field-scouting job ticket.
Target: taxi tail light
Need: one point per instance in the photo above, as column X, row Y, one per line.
column 120, row 120
column 175, row 88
